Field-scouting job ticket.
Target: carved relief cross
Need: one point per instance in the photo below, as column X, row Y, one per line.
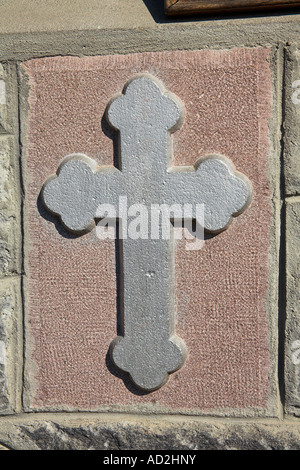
column 145, row 115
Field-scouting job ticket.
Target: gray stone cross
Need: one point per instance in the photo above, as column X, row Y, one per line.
column 145, row 115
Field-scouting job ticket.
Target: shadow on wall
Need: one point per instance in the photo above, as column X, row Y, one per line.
column 157, row 10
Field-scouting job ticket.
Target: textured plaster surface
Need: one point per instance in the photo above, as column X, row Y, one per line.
column 220, row 290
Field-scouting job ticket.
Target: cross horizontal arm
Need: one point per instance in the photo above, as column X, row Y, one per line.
column 214, row 183
column 77, row 190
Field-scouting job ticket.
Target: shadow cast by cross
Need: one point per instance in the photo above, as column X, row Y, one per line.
column 54, row 220
column 124, row 377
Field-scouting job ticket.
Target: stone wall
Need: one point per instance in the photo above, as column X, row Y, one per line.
column 237, row 299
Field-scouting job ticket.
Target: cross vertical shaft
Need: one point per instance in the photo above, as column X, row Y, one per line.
column 149, row 350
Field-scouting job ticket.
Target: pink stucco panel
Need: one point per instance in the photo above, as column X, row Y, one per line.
column 221, row 290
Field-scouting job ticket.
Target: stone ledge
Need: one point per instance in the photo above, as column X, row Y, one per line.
column 19, row 16
column 53, row 15
column 156, row 37
column 120, row 432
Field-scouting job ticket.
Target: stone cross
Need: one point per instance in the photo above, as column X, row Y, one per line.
column 145, row 114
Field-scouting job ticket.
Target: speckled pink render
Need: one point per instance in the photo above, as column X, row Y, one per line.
column 144, row 114
column 220, row 290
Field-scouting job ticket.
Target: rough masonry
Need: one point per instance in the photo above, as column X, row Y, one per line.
column 10, row 243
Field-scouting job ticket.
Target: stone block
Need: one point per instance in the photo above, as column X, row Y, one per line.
column 10, row 341
column 3, row 95
column 10, row 201
column 8, row 99
column 10, row 225
column 221, row 291
column 10, row 240
column 292, row 122
column 119, row 432
column 292, row 347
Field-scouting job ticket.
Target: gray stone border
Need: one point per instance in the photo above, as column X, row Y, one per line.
column 123, row 432
column 11, row 354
